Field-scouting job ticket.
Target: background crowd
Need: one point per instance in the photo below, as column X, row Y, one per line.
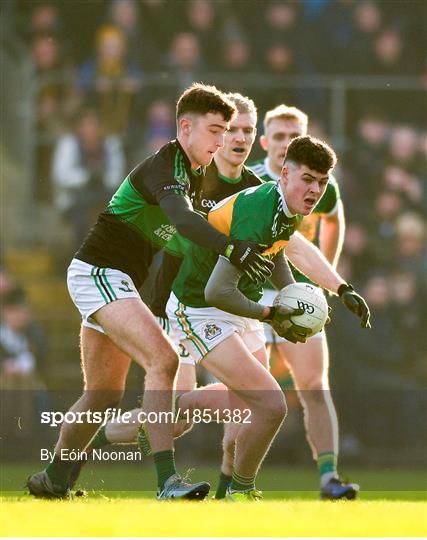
column 107, row 75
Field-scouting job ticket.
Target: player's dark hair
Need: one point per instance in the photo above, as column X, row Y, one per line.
column 312, row 152
column 203, row 99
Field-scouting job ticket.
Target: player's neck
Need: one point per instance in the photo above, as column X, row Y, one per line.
column 273, row 168
column 227, row 169
column 194, row 164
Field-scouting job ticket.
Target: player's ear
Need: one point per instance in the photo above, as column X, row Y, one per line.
column 263, row 142
column 184, row 124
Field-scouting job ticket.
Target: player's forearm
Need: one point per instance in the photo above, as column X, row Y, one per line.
column 222, row 292
column 331, row 235
column 312, row 263
column 282, row 274
column 191, row 225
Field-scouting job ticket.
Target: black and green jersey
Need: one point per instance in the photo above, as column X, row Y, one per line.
column 258, row 214
column 326, row 206
column 213, row 188
column 133, row 227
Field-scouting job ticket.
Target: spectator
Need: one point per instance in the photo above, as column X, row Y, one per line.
column 159, row 128
column 22, row 342
column 202, row 21
column 236, row 57
column 411, row 254
column 185, row 59
column 55, row 102
column 389, row 54
column 409, row 311
column 87, row 167
column 141, row 46
column 111, row 81
column 356, row 249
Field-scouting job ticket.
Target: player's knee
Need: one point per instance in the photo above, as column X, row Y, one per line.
column 167, row 365
column 277, row 408
column 229, row 445
column 181, row 428
column 314, row 391
column 101, row 400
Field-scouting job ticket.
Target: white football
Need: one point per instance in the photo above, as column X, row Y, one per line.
column 308, row 297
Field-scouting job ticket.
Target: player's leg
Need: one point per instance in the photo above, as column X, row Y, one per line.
column 231, row 431
column 104, row 369
column 233, row 364
column 309, row 364
column 130, row 324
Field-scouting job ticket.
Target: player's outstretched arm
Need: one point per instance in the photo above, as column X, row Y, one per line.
column 222, row 292
column 244, row 255
column 311, row 262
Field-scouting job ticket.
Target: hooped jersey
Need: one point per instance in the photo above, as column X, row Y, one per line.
column 134, row 227
column 213, row 188
column 327, row 206
column 257, row 214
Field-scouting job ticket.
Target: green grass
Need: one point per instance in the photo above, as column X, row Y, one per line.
column 120, row 503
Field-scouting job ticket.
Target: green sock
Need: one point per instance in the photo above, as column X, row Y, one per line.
column 165, row 466
column 242, row 483
column 143, row 441
column 224, row 482
column 59, row 471
column 327, row 465
column 100, row 439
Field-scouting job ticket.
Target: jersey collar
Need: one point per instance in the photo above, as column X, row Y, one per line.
column 196, row 172
column 268, row 170
column 286, row 210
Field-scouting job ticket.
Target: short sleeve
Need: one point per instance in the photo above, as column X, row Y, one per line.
column 328, row 203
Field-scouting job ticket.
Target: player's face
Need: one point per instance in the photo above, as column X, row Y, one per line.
column 278, row 135
column 303, row 187
column 239, row 139
column 205, row 134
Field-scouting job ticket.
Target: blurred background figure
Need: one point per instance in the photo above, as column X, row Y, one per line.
column 55, row 102
column 185, row 60
column 87, row 167
column 111, row 80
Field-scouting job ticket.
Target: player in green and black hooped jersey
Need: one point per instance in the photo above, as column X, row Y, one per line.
column 149, row 207
column 309, row 362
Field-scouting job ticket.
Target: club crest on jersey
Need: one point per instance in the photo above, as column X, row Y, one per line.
column 211, row 331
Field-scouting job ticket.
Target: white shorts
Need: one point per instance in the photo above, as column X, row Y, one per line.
column 271, row 336
column 184, row 355
column 91, row 288
column 201, row 329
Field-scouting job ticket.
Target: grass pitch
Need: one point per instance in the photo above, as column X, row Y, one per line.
column 114, row 508
column 142, row 517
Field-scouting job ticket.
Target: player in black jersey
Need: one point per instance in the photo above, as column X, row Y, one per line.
column 225, row 176
column 144, row 215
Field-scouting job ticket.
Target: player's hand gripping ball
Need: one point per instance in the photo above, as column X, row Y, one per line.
column 310, row 299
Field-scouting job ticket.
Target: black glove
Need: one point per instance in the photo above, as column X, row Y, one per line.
column 246, row 256
column 355, row 303
column 279, row 319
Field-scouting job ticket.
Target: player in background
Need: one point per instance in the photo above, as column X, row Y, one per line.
column 216, row 314
column 144, row 215
column 308, row 362
column 225, row 176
